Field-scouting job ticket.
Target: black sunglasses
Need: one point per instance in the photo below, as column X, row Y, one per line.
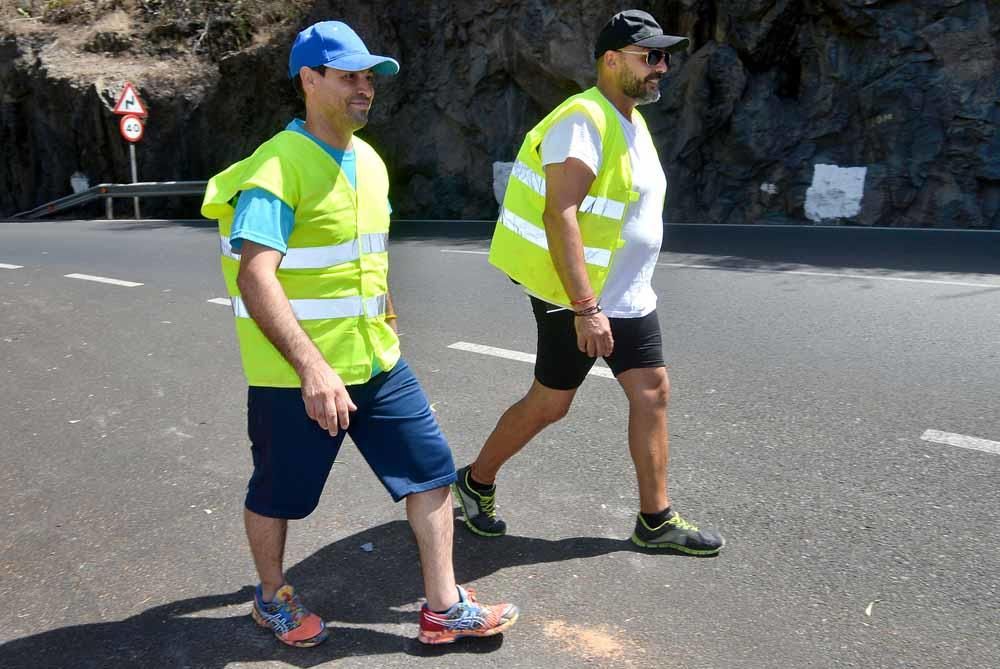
column 653, row 57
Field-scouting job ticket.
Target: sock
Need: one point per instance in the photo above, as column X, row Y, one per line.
column 449, row 609
column 260, row 596
column 654, row 520
column 484, row 488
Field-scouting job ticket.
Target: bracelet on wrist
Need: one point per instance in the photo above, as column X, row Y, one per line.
column 391, row 317
column 583, row 301
column 589, row 311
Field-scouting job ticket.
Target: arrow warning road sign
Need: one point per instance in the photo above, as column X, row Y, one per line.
column 129, row 102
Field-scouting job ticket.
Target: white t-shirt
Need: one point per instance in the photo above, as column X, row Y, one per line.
column 628, row 291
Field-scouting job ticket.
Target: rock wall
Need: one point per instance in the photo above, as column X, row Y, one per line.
column 871, row 112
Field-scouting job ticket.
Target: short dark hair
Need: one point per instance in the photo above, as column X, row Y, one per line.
column 297, row 80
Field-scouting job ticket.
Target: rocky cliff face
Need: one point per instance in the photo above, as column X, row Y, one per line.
column 872, row 112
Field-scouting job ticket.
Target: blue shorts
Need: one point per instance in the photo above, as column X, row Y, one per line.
column 393, row 428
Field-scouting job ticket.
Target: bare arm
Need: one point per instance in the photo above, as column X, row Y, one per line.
column 323, row 391
column 390, row 312
column 566, row 184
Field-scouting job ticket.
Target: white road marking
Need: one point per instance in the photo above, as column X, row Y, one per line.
column 103, row 279
column 838, row 275
column 221, row 300
column 4, row 265
column 476, row 253
column 962, row 441
column 517, row 355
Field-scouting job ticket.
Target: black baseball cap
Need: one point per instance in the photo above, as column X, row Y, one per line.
column 634, row 27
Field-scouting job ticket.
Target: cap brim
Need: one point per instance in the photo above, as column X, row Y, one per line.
column 669, row 43
column 356, row 62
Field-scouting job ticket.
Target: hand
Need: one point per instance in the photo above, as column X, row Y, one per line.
column 326, row 398
column 593, row 335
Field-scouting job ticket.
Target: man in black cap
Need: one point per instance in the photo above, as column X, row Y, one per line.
column 580, row 230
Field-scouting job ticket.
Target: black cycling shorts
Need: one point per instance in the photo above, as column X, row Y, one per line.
column 560, row 365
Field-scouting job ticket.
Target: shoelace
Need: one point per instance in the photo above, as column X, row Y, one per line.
column 294, row 607
column 487, row 502
column 681, row 524
column 489, row 505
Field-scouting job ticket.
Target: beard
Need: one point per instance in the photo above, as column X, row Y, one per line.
column 638, row 89
column 358, row 117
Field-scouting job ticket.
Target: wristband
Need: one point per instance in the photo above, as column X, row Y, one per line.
column 391, row 317
column 583, row 301
column 589, row 311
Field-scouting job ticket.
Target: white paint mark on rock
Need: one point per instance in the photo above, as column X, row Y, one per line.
column 501, row 173
column 769, row 188
column 79, row 182
column 835, row 192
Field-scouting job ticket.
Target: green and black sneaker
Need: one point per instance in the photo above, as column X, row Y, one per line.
column 678, row 534
column 479, row 507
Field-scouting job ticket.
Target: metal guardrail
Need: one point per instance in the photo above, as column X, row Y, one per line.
column 111, row 191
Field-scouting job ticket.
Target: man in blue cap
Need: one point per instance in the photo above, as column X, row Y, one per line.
column 304, row 225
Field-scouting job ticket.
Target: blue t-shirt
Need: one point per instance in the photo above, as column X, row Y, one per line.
column 263, row 218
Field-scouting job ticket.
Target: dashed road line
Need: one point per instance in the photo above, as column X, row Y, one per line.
column 221, row 300
column 517, row 355
column 962, row 441
column 4, row 265
column 103, row 279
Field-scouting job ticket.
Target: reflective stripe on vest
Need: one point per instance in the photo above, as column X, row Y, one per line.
column 599, row 206
column 319, row 257
column 335, row 268
column 535, row 235
column 319, row 309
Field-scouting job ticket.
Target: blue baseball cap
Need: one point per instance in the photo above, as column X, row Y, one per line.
column 334, row 44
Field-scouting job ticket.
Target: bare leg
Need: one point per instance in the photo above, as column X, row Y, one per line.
column 433, row 525
column 267, row 543
column 648, row 392
column 541, row 407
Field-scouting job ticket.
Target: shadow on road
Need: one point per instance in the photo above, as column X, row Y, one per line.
column 341, row 582
column 788, row 247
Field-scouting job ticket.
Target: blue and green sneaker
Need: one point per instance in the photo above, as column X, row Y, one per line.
column 678, row 534
column 479, row 508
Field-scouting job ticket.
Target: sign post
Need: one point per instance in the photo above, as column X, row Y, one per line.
column 131, row 127
column 135, row 179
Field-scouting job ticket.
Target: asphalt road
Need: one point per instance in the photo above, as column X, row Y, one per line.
column 803, row 383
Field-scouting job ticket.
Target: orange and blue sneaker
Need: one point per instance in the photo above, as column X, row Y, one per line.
column 467, row 618
column 291, row 622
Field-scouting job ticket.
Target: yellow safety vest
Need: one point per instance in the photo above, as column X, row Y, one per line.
column 519, row 246
column 335, row 273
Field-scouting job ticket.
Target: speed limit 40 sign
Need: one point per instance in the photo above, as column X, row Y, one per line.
column 131, row 128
